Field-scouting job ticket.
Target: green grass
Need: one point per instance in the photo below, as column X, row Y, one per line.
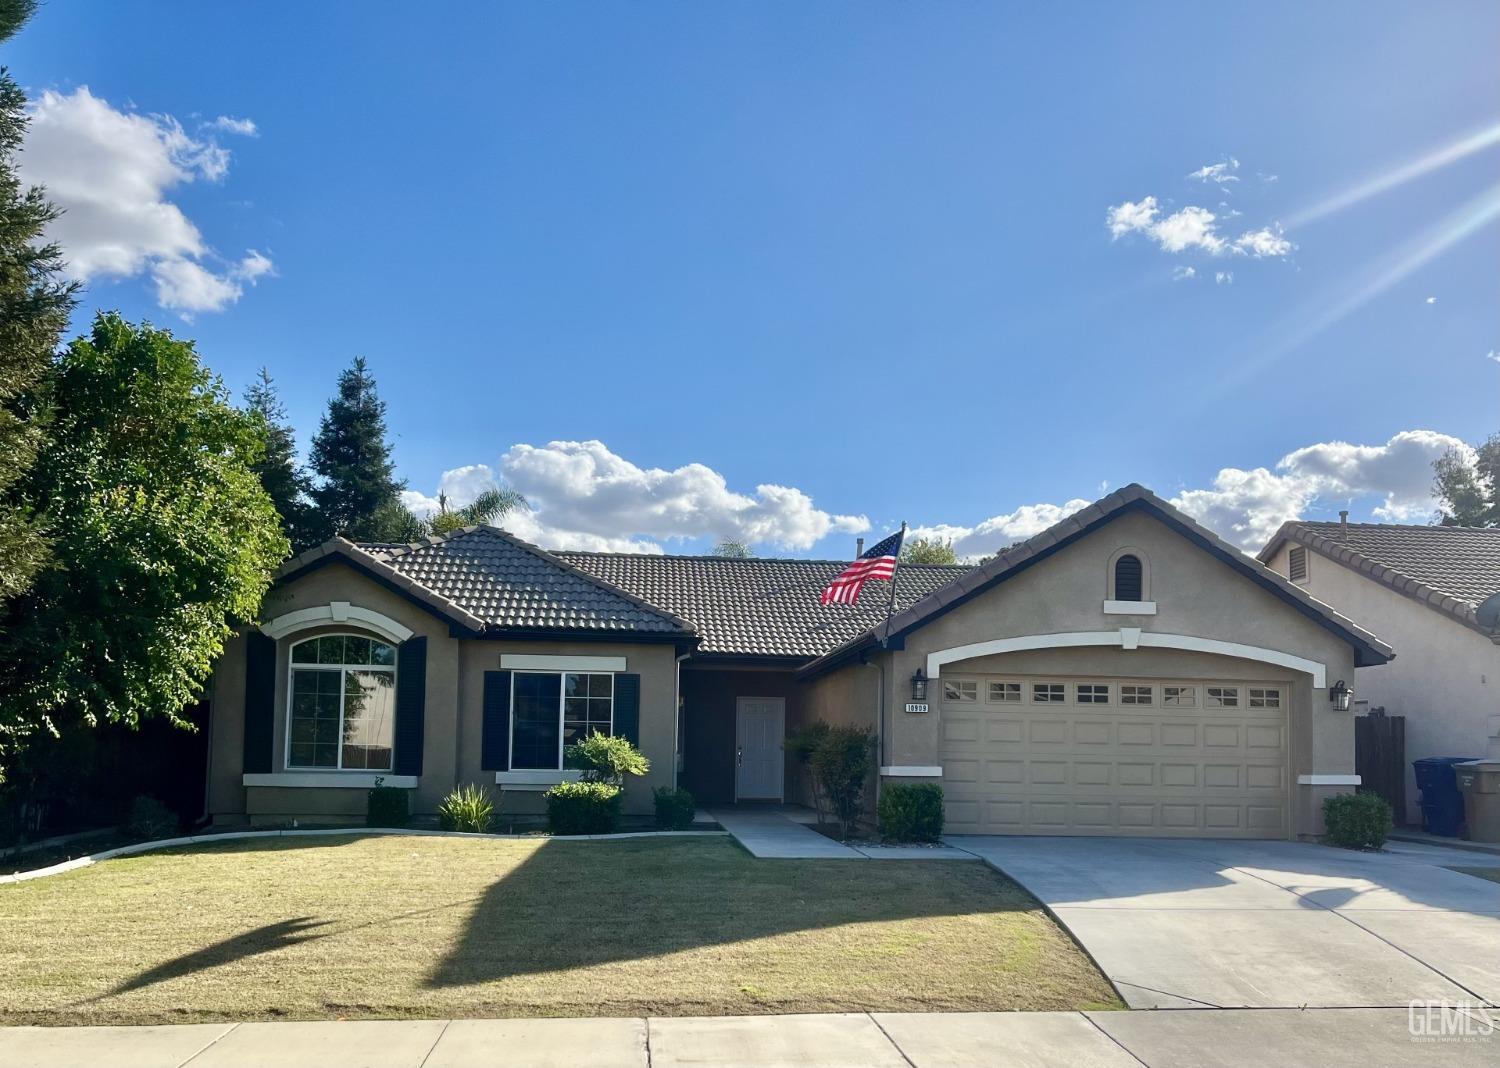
column 434, row 927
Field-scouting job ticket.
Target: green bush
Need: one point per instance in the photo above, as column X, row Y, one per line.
column 149, row 818
column 468, row 808
column 1356, row 821
column 605, row 758
column 584, row 807
column 674, row 808
column 841, row 765
column 385, row 806
column 911, row 812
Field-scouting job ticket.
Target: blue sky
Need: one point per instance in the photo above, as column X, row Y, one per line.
column 860, row 254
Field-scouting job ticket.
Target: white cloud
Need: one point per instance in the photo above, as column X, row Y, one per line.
column 1182, row 274
column 1221, row 173
column 1493, row 354
column 1223, row 278
column 110, row 171
column 243, row 127
column 1246, row 506
column 1432, row 300
column 584, row 496
column 1267, row 241
column 1192, row 229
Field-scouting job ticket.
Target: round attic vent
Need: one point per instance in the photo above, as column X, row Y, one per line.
column 1488, row 612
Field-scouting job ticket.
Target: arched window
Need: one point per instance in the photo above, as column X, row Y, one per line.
column 341, row 711
column 1128, row 579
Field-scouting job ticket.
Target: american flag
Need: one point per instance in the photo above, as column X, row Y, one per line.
column 877, row 563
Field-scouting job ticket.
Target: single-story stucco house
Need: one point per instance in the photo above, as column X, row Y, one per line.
column 1425, row 586
column 1125, row 672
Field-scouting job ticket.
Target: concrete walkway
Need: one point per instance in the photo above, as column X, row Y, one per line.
column 1330, row 1038
column 1231, row 924
column 779, row 833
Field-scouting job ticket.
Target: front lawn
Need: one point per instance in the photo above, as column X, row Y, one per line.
column 437, row 927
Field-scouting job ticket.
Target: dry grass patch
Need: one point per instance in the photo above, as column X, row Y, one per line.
column 433, row 927
column 1492, row 874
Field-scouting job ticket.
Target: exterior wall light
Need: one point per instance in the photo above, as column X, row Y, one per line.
column 919, row 686
column 1341, row 696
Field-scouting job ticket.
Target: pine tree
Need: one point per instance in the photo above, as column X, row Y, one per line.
column 358, row 494
column 287, row 484
column 35, row 301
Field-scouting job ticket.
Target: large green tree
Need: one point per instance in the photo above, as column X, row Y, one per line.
column 928, row 551
column 284, row 480
column 35, row 301
column 357, row 494
column 163, row 537
column 1469, row 493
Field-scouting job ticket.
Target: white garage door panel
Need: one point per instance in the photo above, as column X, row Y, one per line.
column 1061, row 767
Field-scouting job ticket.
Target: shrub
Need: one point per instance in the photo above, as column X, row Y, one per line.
column 802, row 743
column 385, row 806
column 606, row 758
column 674, row 809
column 149, row 818
column 583, row 807
column 1356, row 821
column 468, row 808
column 841, row 764
column 912, row 812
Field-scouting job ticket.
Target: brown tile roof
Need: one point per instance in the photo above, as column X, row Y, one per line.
column 759, row 607
column 1451, row 569
column 510, row 584
column 1369, row 649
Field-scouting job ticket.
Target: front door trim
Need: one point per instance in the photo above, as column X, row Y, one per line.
column 739, row 709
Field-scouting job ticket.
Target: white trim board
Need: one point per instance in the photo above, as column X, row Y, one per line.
column 1130, row 608
column 1127, row 638
column 930, row 771
column 546, row 662
column 1328, row 780
column 534, row 780
column 359, row 780
column 336, row 612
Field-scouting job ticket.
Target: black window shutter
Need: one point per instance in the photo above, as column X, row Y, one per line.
column 494, row 746
column 411, row 703
column 260, row 702
column 628, row 708
column 1128, row 578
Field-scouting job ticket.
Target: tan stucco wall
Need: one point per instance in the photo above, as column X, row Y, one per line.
column 453, row 716
column 849, row 697
column 1196, row 594
column 1440, row 680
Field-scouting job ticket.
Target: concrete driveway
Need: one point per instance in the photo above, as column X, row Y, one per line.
column 1187, row 923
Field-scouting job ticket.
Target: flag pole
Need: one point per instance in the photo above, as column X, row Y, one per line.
column 890, row 605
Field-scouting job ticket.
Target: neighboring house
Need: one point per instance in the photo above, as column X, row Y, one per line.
column 1125, row 672
column 1421, row 587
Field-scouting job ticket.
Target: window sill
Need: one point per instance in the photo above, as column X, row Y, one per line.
column 534, row 781
column 1130, row 608
column 354, row 780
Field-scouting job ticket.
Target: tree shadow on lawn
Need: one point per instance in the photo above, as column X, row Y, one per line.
column 577, row 904
column 265, row 939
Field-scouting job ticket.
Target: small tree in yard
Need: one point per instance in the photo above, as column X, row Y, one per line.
column 802, row 744
column 606, row 758
column 841, row 765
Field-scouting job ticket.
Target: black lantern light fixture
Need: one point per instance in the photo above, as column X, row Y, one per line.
column 1341, row 696
column 919, row 686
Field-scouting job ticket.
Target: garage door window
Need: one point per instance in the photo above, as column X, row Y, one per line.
column 1044, row 693
column 960, row 690
column 1262, row 698
column 1179, row 696
column 1089, row 694
column 1135, row 695
column 1005, row 693
column 1223, row 696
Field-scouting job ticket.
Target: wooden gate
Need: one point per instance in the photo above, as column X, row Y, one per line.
column 1380, row 758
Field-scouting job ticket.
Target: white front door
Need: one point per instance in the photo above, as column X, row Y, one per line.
column 760, row 723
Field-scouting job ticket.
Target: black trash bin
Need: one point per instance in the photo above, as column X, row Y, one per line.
column 1442, row 801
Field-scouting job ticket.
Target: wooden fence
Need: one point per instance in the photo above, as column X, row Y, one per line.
column 1380, row 758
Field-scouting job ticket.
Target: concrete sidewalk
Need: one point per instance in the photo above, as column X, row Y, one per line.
column 1228, row 1038
column 778, row 834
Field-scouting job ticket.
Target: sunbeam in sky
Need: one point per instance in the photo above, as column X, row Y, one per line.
column 1380, row 183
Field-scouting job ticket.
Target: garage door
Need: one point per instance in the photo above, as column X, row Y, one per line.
column 1164, row 757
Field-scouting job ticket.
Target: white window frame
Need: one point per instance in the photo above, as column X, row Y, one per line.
column 292, row 667
column 991, row 699
column 562, row 701
column 1136, row 702
column 958, row 685
column 1266, row 691
column 1230, row 690
column 1093, row 696
column 1175, row 700
column 1051, row 698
